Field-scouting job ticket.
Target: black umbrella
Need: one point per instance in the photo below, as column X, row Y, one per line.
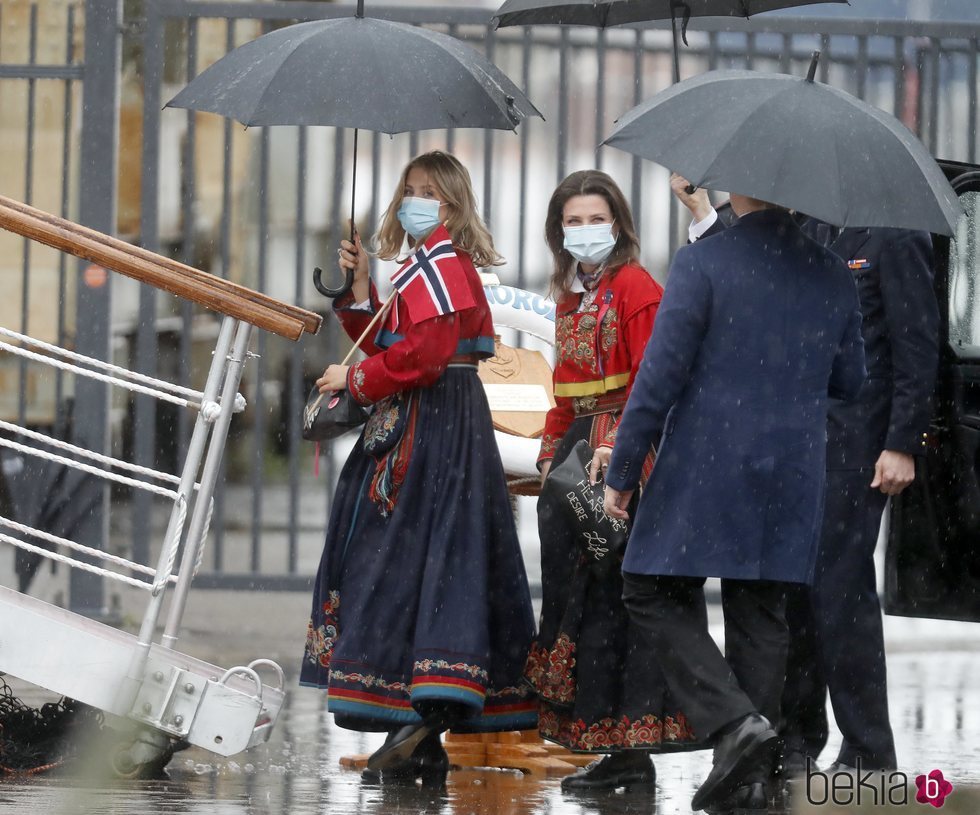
column 361, row 73
column 796, row 143
column 607, row 13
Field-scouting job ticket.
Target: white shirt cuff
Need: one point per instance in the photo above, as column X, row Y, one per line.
column 365, row 306
column 698, row 228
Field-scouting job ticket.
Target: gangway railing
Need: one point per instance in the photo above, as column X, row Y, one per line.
column 166, row 697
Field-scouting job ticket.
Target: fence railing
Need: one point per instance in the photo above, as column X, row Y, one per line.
column 263, row 206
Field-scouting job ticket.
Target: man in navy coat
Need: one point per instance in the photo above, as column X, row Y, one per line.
column 836, row 638
column 757, row 326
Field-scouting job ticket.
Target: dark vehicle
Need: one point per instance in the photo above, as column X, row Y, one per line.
column 932, row 567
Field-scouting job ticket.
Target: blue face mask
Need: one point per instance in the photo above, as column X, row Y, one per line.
column 591, row 243
column 418, row 216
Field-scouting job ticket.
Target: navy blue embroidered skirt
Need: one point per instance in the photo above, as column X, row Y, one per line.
column 599, row 692
column 427, row 603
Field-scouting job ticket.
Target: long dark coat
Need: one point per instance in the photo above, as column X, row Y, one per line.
column 757, row 326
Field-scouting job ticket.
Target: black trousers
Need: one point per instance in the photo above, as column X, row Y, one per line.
column 714, row 690
column 836, row 634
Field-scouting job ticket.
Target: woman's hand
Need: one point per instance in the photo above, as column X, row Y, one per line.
column 333, row 379
column 352, row 257
column 599, row 464
column 545, row 469
column 616, row 502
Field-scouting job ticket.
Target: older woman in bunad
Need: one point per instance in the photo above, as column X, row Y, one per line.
column 597, row 693
column 421, row 613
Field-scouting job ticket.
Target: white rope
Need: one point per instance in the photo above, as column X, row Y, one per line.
column 204, row 536
column 107, row 461
column 78, row 547
column 78, row 564
column 161, row 581
column 78, row 465
column 122, row 383
column 105, row 366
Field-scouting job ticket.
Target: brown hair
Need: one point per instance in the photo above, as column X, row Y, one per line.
column 587, row 182
column 464, row 224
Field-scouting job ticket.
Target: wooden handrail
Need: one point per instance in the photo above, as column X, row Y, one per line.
column 164, row 273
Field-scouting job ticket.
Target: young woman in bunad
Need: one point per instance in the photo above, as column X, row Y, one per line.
column 422, row 615
column 597, row 693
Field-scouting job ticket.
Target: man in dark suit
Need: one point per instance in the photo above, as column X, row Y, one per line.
column 836, row 637
column 756, row 326
column 871, row 447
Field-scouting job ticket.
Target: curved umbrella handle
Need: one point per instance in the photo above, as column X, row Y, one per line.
column 333, row 294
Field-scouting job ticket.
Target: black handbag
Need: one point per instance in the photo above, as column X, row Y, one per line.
column 329, row 415
column 602, row 537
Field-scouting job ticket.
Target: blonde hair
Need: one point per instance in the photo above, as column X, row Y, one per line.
column 464, row 224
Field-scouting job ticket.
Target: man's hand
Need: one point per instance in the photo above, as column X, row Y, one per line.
column 697, row 202
column 616, row 502
column 894, row 471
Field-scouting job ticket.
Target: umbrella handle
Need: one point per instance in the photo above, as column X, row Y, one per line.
column 333, row 294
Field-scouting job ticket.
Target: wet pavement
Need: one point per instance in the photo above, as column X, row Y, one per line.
column 934, row 694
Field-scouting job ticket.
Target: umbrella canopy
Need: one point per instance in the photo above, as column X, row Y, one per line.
column 796, row 143
column 603, row 13
column 606, row 13
column 358, row 72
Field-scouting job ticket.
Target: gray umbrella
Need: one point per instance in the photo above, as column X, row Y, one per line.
column 358, row 72
column 796, row 143
column 606, row 13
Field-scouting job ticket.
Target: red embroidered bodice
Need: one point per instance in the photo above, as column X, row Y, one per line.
column 598, row 350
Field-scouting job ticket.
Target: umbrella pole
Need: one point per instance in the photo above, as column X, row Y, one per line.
column 677, row 56
column 353, row 189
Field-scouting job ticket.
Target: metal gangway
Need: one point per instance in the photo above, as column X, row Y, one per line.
column 156, row 695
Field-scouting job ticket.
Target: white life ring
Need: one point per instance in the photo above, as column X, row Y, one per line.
column 533, row 314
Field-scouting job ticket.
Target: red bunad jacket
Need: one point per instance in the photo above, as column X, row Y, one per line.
column 422, row 333
column 598, row 353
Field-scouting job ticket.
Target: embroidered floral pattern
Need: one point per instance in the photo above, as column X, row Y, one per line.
column 549, row 443
column 611, row 734
column 320, row 639
column 368, row 681
column 575, row 341
column 609, row 331
column 425, row 666
column 552, row 673
column 355, row 381
column 384, row 426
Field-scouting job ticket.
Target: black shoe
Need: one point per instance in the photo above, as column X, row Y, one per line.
column 792, row 764
column 625, row 769
column 404, row 772
column 736, row 753
column 428, row 762
column 399, row 746
column 748, row 799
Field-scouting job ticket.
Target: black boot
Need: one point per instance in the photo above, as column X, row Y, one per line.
column 629, row 768
column 428, row 761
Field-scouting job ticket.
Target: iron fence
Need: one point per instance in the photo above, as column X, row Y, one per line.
column 265, row 205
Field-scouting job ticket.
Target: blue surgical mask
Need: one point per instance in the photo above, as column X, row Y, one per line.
column 418, row 216
column 591, row 243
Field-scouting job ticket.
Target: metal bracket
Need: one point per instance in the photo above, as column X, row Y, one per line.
column 168, row 698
